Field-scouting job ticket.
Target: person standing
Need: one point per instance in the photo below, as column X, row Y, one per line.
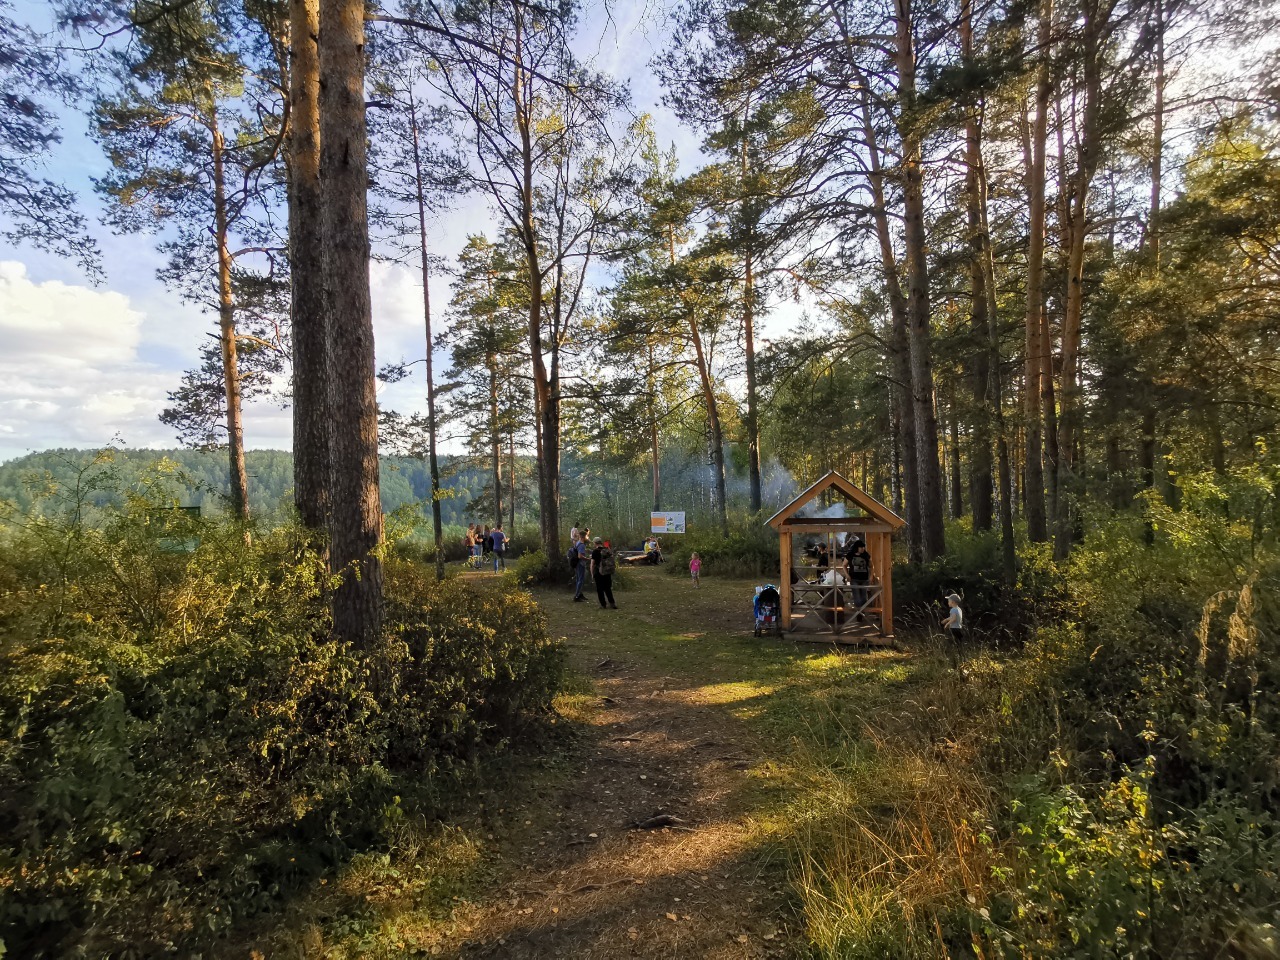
column 858, row 573
column 574, row 536
column 695, row 568
column 955, row 622
column 602, row 567
column 580, row 566
column 499, row 548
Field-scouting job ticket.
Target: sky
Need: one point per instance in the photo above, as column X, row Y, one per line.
column 83, row 365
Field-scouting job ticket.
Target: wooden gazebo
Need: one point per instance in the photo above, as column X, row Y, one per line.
column 828, row 604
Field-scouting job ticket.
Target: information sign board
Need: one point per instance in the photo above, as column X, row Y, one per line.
column 670, row 521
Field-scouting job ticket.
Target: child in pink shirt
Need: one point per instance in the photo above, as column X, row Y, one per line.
column 695, row 568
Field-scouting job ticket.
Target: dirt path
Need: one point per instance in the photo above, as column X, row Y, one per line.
column 655, row 844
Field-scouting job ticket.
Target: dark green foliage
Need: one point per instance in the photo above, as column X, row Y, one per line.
column 180, row 742
column 995, row 612
column 1138, row 737
column 750, row 553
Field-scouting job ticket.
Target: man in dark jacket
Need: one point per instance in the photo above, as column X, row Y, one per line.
column 858, row 571
column 602, row 566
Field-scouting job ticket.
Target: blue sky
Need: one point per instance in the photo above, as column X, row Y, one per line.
column 85, row 364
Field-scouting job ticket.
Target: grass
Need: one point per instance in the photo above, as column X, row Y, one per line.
column 857, row 798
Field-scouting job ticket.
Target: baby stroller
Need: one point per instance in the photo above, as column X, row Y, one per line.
column 768, row 610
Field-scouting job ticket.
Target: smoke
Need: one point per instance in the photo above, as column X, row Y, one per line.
column 777, row 485
column 835, row 511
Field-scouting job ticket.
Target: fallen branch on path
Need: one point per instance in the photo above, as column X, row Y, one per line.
column 655, row 822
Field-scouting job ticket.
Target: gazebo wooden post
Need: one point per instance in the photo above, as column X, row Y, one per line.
column 784, row 552
column 884, row 560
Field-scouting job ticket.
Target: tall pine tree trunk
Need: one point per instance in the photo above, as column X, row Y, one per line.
column 227, row 332
column 433, row 461
column 1034, row 145
column 308, row 316
column 655, row 453
column 980, row 484
column 752, row 420
column 932, row 536
column 545, row 390
column 1069, row 398
column 713, row 421
column 495, row 438
column 995, row 391
column 356, row 513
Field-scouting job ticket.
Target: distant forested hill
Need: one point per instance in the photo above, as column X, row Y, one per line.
column 404, row 479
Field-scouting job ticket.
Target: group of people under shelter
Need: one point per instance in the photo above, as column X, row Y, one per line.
column 853, row 566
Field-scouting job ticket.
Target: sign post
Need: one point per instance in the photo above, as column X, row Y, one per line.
column 669, row 521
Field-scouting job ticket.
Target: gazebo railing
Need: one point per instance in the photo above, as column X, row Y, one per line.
column 837, row 604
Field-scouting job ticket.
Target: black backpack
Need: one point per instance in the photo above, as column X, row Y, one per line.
column 606, row 565
column 572, row 555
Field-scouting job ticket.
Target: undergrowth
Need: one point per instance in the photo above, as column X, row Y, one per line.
column 1108, row 790
column 182, row 745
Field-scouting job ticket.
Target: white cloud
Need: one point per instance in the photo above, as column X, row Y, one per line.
column 70, row 373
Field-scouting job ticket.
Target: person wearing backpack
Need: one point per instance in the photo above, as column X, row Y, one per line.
column 602, row 566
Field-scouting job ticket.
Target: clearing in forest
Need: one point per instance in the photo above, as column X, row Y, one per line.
column 665, row 824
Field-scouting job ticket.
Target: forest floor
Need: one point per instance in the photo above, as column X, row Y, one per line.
column 660, row 823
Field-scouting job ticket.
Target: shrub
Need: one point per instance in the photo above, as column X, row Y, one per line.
column 181, row 743
column 749, row 553
column 994, row 610
column 529, row 569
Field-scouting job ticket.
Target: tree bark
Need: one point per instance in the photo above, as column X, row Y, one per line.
column 932, row 536
column 1151, row 233
column 511, row 471
column 752, row 419
column 227, row 332
column 495, row 438
column 1034, row 151
column 307, row 313
column 655, row 453
column 713, row 420
column 356, row 513
column 956, row 490
column 1069, row 401
column 980, row 485
column 995, row 392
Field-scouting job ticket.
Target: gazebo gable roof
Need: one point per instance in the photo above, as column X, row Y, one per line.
column 870, row 504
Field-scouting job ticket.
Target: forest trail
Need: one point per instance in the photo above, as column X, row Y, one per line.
column 657, row 843
column 666, row 821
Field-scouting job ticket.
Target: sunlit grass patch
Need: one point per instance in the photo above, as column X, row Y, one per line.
column 734, row 692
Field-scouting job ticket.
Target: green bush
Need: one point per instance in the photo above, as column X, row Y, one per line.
column 752, row 552
column 1154, row 703
column 529, row 569
column 181, row 743
column 994, row 611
